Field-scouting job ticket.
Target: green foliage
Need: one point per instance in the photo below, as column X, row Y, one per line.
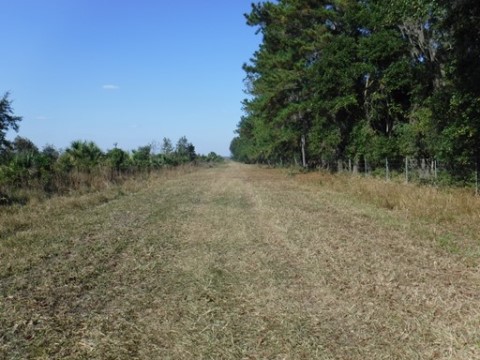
column 142, row 157
column 184, row 151
column 82, row 165
column 117, row 159
column 212, row 157
column 7, row 121
column 167, row 146
column 23, row 145
column 27, row 166
column 83, row 155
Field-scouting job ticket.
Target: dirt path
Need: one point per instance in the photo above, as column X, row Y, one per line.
column 234, row 262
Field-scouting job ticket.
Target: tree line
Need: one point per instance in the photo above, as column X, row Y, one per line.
column 363, row 79
column 81, row 165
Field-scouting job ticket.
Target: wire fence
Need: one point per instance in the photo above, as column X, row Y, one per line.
column 425, row 171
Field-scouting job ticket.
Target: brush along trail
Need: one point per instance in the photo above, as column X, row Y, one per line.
column 232, row 262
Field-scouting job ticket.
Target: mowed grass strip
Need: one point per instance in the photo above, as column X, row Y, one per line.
column 235, row 262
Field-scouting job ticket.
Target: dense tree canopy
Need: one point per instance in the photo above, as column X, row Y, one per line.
column 354, row 79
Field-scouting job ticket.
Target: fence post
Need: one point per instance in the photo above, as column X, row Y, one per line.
column 350, row 165
column 304, row 161
column 387, row 170
column 406, row 169
column 476, row 178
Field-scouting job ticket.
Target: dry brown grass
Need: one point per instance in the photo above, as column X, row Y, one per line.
column 452, row 214
column 429, row 202
column 237, row 262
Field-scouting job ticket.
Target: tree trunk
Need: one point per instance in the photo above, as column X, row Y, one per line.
column 355, row 166
column 304, row 161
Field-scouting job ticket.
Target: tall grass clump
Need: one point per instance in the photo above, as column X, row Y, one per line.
column 448, row 206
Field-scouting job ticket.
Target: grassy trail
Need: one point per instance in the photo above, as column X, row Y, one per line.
column 234, row 262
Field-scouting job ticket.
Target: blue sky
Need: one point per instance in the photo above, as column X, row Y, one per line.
column 124, row 71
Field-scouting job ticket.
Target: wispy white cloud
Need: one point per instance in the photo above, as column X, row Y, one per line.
column 110, row 87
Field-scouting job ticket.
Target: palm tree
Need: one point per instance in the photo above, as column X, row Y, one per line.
column 84, row 155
